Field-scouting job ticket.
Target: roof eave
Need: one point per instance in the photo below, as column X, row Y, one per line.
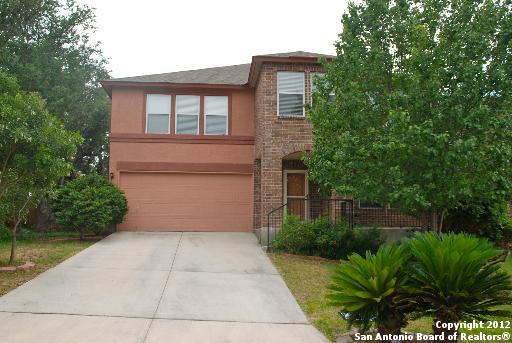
column 108, row 84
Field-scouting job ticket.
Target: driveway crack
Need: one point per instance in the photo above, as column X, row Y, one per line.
column 163, row 289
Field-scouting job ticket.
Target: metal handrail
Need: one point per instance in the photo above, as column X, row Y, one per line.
column 268, row 223
column 342, row 209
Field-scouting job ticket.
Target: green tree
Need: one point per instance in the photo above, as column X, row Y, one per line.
column 19, row 200
column 35, row 151
column 422, row 112
column 47, row 45
column 90, row 202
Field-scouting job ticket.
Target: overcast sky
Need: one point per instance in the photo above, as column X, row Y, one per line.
column 158, row 36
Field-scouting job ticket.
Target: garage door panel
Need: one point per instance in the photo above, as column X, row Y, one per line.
column 187, row 202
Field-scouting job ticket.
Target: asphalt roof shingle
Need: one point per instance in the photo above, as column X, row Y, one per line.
column 227, row 75
column 298, row 54
column 230, row 75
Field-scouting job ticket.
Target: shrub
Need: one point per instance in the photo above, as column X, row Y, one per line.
column 483, row 219
column 321, row 237
column 328, row 237
column 338, row 240
column 457, row 277
column 89, row 203
column 365, row 240
column 366, row 289
column 451, row 277
column 295, row 237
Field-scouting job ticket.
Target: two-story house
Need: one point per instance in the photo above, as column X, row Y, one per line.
column 213, row 149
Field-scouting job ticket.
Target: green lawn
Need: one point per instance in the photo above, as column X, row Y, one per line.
column 307, row 278
column 43, row 252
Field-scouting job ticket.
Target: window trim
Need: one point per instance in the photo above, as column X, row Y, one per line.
column 311, row 76
column 381, row 207
column 303, row 94
column 168, row 115
column 227, row 115
column 172, row 117
column 187, row 114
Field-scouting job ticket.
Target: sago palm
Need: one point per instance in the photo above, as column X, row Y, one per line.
column 365, row 289
column 456, row 277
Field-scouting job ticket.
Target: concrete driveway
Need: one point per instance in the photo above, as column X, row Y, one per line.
column 156, row 288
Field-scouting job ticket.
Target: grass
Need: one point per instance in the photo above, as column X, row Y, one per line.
column 43, row 252
column 307, row 278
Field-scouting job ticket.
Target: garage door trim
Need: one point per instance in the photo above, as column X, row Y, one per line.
column 238, row 168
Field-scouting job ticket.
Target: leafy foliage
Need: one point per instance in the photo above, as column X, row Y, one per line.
column 5, row 233
column 35, row 151
column 321, row 237
column 452, row 277
column 422, row 112
column 457, row 277
column 338, row 240
column 366, row 288
column 483, row 219
column 47, row 46
column 295, row 237
column 89, row 202
column 34, row 147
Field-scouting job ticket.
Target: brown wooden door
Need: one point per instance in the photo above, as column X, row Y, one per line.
column 296, row 192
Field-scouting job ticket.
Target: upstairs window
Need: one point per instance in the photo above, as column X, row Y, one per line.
column 158, row 112
column 320, row 77
column 290, row 97
column 215, row 115
column 370, row 205
column 187, row 114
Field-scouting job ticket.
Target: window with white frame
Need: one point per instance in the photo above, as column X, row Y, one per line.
column 312, row 79
column 216, row 115
column 370, row 205
column 187, row 114
column 290, row 93
column 158, row 112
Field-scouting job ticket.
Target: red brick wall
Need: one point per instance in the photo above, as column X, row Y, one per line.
column 257, row 194
column 276, row 136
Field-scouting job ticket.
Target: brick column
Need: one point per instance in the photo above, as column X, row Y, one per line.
column 271, row 186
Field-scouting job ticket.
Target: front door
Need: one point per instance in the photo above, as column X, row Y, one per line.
column 296, row 192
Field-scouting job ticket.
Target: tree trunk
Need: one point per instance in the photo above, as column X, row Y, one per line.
column 434, row 220
column 441, row 221
column 437, row 219
column 17, row 221
column 13, row 243
column 392, row 325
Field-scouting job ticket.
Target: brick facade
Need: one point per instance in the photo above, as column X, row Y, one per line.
column 257, row 194
column 276, row 137
column 259, row 140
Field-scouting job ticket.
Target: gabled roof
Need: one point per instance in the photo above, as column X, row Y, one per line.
column 228, row 76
